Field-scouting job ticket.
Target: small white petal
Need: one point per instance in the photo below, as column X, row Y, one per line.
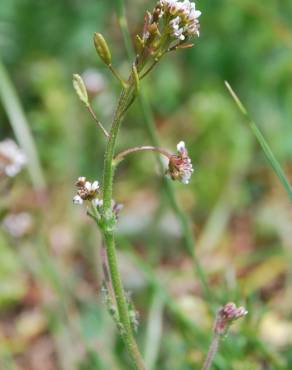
column 77, row 200
column 94, row 186
column 88, row 185
column 181, row 147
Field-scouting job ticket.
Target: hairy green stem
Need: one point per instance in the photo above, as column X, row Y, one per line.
column 109, row 226
column 126, row 330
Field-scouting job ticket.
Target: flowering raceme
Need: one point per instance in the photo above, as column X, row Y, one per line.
column 171, row 20
column 183, row 17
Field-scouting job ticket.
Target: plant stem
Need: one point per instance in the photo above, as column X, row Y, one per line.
column 212, row 352
column 109, row 225
column 126, row 330
column 117, row 76
column 143, row 148
column 168, row 187
column 110, row 149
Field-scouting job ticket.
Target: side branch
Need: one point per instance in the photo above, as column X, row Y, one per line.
column 126, row 152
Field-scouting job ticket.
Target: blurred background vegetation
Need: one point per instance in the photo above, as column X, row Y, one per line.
column 51, row 310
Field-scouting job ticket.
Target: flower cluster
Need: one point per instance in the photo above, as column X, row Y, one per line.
column 180, row 165
column 226, row 315
column 171, row 20
column 86, row 191
column 12, row 159
column 182, row 17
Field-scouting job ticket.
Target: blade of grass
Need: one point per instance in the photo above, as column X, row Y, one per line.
column 183, row 219
column 154, row 331
column 20, row 126
column 263, row 143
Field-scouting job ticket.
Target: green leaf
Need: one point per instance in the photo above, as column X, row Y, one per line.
column 263, row 143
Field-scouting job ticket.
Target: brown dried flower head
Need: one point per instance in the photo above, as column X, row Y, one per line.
column 180, row 165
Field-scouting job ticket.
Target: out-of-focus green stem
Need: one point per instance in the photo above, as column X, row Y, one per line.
column 20, row 127
column 151, row 131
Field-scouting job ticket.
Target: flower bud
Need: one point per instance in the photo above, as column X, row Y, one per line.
column 80, row 89
column 102, row 48
column 226, row 316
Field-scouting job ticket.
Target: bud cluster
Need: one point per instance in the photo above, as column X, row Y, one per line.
column 86, row 191
column 226, row 315
column 180, row 165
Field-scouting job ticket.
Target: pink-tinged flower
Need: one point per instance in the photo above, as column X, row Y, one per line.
column 180, row 165
column 226, row 315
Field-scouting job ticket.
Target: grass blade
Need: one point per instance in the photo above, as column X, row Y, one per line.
column 263, row 143
column 20, row 127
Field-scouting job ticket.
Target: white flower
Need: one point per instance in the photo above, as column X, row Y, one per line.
column 77, row 200
column 184, row 17
column 12, row 159
column 86, row 190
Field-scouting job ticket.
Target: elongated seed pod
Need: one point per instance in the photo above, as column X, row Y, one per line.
column 102, row 48
column 80, row 89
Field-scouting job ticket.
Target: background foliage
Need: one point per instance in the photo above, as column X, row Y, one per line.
column 51, row 312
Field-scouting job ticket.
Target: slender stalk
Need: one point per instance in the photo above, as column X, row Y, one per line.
column 149, row 69
column 212, row 352
column 151, row 131
column 99, row 124
column 117, row 76
column 136, row 149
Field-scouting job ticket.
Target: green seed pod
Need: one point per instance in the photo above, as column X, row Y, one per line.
column 102, row 48
column 80, row 89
